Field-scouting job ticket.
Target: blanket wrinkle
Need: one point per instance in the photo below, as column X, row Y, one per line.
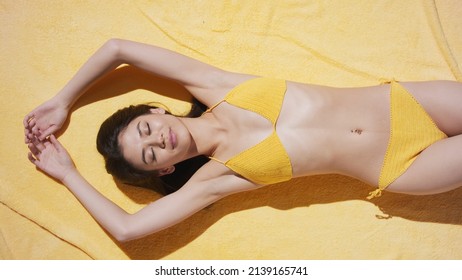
column 50, row 231
column 332, row 61
column 170, row 36
column 438, row 31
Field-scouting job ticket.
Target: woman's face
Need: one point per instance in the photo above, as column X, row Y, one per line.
column 155, row 141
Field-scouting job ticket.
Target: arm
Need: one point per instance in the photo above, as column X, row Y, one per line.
column 191, row 73
column 163, row 213
column 53, row 159
column 48, row 118
column 196, row 76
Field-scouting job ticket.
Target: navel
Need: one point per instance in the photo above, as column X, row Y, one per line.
column 357, row 131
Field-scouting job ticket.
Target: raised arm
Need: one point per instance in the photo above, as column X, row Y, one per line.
column 160, row 214
column 198, row 77
column 51, row 157
column 191, row 73
column 49, row 117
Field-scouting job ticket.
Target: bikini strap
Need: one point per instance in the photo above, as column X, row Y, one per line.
column 217, row 160
column 213, row 107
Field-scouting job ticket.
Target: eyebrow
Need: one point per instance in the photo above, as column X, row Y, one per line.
column 143, row 157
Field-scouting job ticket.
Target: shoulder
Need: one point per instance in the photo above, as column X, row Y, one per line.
column 216, row 84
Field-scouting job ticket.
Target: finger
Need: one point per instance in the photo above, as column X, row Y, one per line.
column 49, row 131
column 56, row 143
column 30, row 137
column 28, row 126
column 34, row 150
column 32, row 122
column 31, row 158
column 28, row 129
column 38, row 144
column 26, row 136
column 35, row 130
column 28, row 118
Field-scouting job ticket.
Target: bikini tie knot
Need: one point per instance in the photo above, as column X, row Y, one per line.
column 376, row 193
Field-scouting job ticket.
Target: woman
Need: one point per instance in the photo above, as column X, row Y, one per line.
column 258, row 131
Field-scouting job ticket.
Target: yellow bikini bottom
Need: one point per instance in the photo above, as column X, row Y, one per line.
column 412, row 130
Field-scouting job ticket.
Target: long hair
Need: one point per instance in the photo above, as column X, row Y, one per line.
column 108, row 146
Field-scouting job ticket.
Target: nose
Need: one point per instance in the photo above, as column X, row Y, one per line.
column 155, row 139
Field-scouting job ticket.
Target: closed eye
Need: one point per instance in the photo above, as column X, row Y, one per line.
column 149, row 128
column 153, row 155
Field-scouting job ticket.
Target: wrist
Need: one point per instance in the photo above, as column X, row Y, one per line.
column 63, row 100
column 70, row 176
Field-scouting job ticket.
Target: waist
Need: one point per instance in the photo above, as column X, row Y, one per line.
column 354, row 152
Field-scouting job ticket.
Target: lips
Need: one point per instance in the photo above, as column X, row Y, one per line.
column 172, row 138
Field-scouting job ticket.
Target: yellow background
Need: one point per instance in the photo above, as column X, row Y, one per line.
column 337, row 43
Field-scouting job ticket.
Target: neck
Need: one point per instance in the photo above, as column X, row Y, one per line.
column 205, row 133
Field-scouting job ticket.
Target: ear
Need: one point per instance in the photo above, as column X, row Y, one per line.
column 167, row 170
column 157, row 110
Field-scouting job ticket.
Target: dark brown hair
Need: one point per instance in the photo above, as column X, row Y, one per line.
column 108, row 145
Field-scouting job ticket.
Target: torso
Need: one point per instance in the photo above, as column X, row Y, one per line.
column 323, row 130
column 336, row 130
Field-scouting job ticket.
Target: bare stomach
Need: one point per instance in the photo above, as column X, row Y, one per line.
column 343, row 131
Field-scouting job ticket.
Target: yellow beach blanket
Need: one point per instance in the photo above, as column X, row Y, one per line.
column 338, row 43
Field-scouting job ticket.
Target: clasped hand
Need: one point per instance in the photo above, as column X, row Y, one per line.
column 50, row 157
column 45, row 150
column 45, row 120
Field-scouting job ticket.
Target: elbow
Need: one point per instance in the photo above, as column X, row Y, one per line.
column 124, row 231
column 113, row 47
column 122, row 235
column 125, row 236
column 122, row 238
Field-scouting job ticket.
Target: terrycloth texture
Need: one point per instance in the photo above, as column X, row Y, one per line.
column 339, row 43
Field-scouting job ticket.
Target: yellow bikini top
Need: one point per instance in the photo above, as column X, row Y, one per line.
column 267, row 162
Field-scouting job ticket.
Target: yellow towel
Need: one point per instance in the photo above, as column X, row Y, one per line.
column 338, row 43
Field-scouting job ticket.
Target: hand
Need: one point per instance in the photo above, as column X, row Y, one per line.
column 51, row 157
column 44, row 120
